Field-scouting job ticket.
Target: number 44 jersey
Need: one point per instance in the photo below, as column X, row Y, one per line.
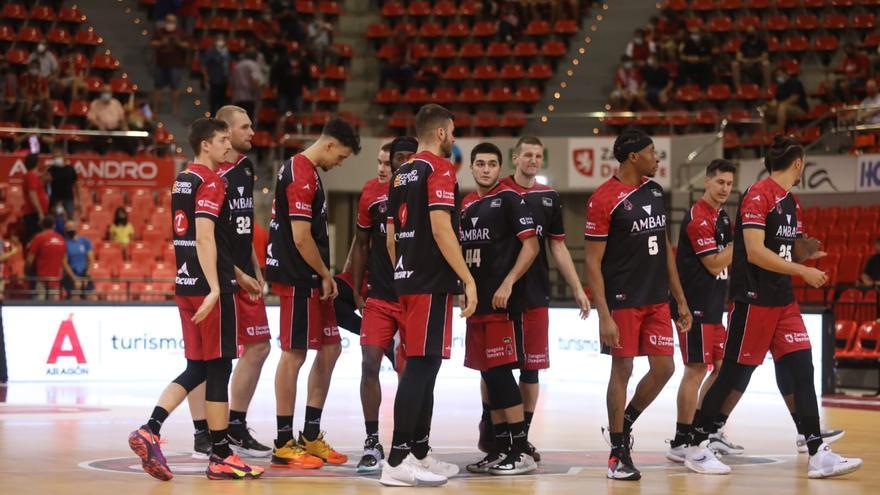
column 239, row 177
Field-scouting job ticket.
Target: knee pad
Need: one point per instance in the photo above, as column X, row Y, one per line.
column 743, row 379
column 528, row 376
column 502, row 388
column 217, row 387
column 799, row 365
column 194, row 374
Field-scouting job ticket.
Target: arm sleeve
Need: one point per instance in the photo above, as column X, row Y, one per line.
column 364, row 219
column 209, row 199
column 754, row 209
column 519, row 216
column 441, row 188
column 300, row 194
column 556, row 226
column 701, row 234
column 598, row 220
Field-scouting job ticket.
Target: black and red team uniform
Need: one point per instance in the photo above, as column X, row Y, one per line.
column 704, row 231
column 423, row 280
column 253, row 324
column 632, row 221
column 765, row 316
column 546, row 208
column 199, row 193
column 492, row 227
column 307, row 322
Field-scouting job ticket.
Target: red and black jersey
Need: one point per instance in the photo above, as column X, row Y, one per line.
column 543, row 201
column 426, row 182
column 765, row 205
column 704, row 231
column 490, row 232
column 239, row 177
column 198, row 193
column 299, row 195
column 632, row 220
column 373, row 217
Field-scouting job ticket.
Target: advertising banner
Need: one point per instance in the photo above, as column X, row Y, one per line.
column 122, row 172
column 822, row 174
column 591, row 161
column 868, row 173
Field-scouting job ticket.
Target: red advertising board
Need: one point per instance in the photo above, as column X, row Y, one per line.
column 124, row 172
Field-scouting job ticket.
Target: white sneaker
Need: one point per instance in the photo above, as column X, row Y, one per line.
column 521, row 463
column 826, row 464
column 409, row 473
column 677, row 453
column 828, row 436
column 702, row 460
column 718, row 442
column 436, row 466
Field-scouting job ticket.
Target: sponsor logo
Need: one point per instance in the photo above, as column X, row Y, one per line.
column 404, row 179
column 240, row 190
column 184, row 243
column 181, row 224
column 656, row 193
column 705, row 242
column 584, row 161
column 406, row 234
column 647, row 209
column 471, row 235
column 444, row 195
column 627, row 205
column 66, row 345
column 752, row 294
column 702, row 224
column 307, row 187
column 181, row 187
column 787, row 231
column 402, row 215
column 399, row 272
column 208, row 204
column 548, row 202
column 496, row 203
column 797, row 338
column 303, row 207
column 241, row 204
column 788, row 218
column 526, row 221
column 649, row 223
column 661, row 341
column 474, row 221
column 185, row 279
column 211, row 185
column 620, row 297
column 383, row 207
column 331, row 331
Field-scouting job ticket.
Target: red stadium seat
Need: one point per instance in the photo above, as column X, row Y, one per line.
column 834, row 21
column 105, row 61
column 87, row 37
column 444, row 95
column 844, row 336
column 806, row 22
column 747, row 21
column 540, row 71
column 850, row 269
column 59, row 36
column 718, row 92
column 486, row 119
column 499, row 49
column 471, row 49
column 720, row 24
column 537, row 27
column 378, row 30
column 866, row 344
column 71, row 15
column 525, row 49
column 777, row 22
column 796, row 44
column 863, row 20
column 7, row 33
column 500, row 95
column 387, row 96
column 444, row 51
column 15, row 11
column 528, row 94
column 30, row 34
column 456, row 72
column 416, row 96
column 393, row 9
column 688, row 93
column 431, row 29
column 445, row 8
column 554, row 49
column 130, row 271
column 826, row 43
column 484, row 29
column 458, row 30
column 472, row 95
column 512, row 71
column 565, row 27
column 485, row 72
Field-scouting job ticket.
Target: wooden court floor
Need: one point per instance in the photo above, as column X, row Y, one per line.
column 71, row 440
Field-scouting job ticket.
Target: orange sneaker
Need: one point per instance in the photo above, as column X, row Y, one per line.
column 145, row 444
column 322, row 450
column 231, row 468
column 292, row 455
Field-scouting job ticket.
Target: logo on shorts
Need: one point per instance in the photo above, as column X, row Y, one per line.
column 331, row 331
column 698, row 313
column 257, row 330
column 797, row 338
column 661, row 341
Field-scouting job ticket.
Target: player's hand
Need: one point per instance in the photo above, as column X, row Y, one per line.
column 817, row 254
column 359, row 301
column 328, row 288
column 206, row 307
column 685, row 318
column 470, row 299
column 583, row 302
column 609, row 334
column 502, row 295
column 249, row 284
column 814, row 277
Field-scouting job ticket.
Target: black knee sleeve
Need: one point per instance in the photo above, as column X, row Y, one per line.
column 528, row 376
column 502, row 388
column 743, row 378
column 217, row 388
column 192, row 376
column 730, row 375
column 798, row 367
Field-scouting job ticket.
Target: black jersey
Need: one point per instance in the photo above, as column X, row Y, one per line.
column 765, row 205
column 239, row 177
column 426, row 182
column 704, row 231
column 198, row 193
column 372, row 217
column 491, row 230
column 299, row 195
column 632, row 220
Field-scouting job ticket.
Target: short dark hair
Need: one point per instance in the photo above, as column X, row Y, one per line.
column 630, row 141
column 343, row 132
column 782, row 153
column 31, row 161
column 720, row 166
column 48, row 222
column 486, row 148
column 429, row 118
column 533, row 140
column 203, row 129
column 386, row 147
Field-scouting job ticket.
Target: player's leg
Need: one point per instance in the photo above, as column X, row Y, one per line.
column 718, row 440
column 536, row 327
column 377, row 337
column 786, row 389
column 509, row 420
column 655, row 340
column 686, row 403
column 486, row 440
column 201, row 435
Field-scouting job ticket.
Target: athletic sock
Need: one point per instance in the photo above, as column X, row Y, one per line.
column 285, row 430
column 812, row 432
column 486, row 417
column 372, row 428
column 630, row 415
column 616, row 440
column 200, row 426
column 237, row 420
column 420, row 446
column 220, row 444
column 719, row 423
column 502, row 437
column 312, row 427
column 682, row 434
column 528, row 415
column 519, row 437
column 156, row 419
column 401, row 446
column 797, row 423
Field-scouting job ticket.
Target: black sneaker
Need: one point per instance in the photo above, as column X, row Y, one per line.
column 536, row 456
column 202, row 445
column 621, row 467
column 482, row 466
column 514, row 463
column 486, row 443
column 242, row 443
column 371, row 462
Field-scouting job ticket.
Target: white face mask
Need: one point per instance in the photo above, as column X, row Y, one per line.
column 106, row 96
column 627, row 65
column 41, row 48
column 780, row 79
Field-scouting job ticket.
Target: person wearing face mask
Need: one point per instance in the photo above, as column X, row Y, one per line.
column 48, row 64
column 640, row 48
column 215, row 72
column 752, row 59
column 790, row 101
column 65, row 188
column 77, row 281
column 106, row 114
column 695, row 54
column 627, row 94
column 35, row 102
column 171, row 48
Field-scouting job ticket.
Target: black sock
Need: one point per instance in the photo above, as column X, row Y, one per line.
column 220, row 444
column 156, row 419
column 519, row 437
column 630, row 415
column 616, row 440
column 486, row 417
column 682, row 434
column 812, row 432
column 372, row 428
column 797, row 423
column 285, row 430
column 237, row 420
column 502, row 437
column 719, row 422
column 312, row 427
column 420, row 446
column 528, row 415
column 401, row 446
column 200, row 425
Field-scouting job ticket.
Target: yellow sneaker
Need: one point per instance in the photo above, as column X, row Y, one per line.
column 322, row 450
column 293, row 456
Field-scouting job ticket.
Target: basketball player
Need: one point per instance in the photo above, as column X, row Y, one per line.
column 544, row 203
column 499, row 244
column 765, row 316
column 631, row 272
column 204, row 290
column 297, row 259
column 382, row 316
column 422, row 240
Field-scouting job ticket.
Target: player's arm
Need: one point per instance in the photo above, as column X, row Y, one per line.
column 65, row 264
column 248, row 283
column 527, row 254
column 206, row 250
column 35, row 203
column 594, row 251
column 716, row 263
column 305, row 244
column 360, row 249
column 259, row 272
column 347, row 266
column 562, row 257
column 389, row 242
column 683, row 322
column 447, row 242
column 759, row 255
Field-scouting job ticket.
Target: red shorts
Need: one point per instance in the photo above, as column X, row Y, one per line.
column 536, row 348
column 253, row 324
column 381, row 321
column 493, row 341
column 644, row 331
column 754, row 330
column 427, row 325
column 215, row 336
column 703, row 344
column 307, row 322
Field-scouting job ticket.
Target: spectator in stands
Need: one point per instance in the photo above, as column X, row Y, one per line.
column 36, row 202
column 291, row 76
column 667, row 28
column 106, row 114
column 171, row 56
column 656, row 83
column 853, row 73
column 35, row 96
column 790, row 101
column 80, row 256
column 871, row 274
column 869, row 108
column 8, row 92
column 695, row 55
column 121, row 230
column 48, row 64
column 47, row 254
column 510, row 24
column 291, row 26
column 752, row 59
column 488, row 10
column 215, row 73
column 247, row 82
column 320, row 36
column 71, row 83
column 65, row 188
column 400, row 65
column 639, row 48
column 139, row 116
column 628, row 94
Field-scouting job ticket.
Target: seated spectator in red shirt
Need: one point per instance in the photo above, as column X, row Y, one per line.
column 629, row 91
column 640, row 47
column 36, row 201
column 853, row 72
column 34, row 89
column 47, row 254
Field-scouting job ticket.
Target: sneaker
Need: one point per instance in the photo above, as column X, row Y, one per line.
column 826, row 464
column 371, row 462
column 533, row 452
column 321, row 449
column 292, row 455
column 701, row 459
column 621, row 467
column 486, row 443
column 482, row 466
column 409, row 473
column 146, row 445
column 231, row 468
column 242, row 443
column 202, row 445
column 676, row 453
column 515, row 463
column 719, row 443
column 436, row 466
column 828, row 436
